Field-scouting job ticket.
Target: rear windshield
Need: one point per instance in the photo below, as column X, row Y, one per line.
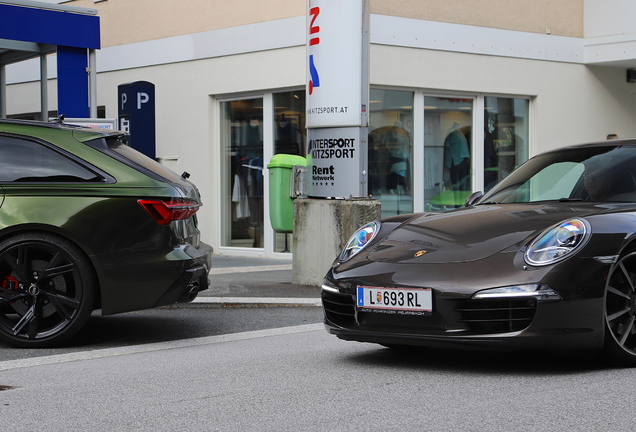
column 117, row 148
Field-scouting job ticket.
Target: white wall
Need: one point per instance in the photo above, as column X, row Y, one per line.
column 609, row 17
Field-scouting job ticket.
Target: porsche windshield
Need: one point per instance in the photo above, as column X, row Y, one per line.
column 596, row 173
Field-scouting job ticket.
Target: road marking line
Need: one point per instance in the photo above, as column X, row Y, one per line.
column 158, row 346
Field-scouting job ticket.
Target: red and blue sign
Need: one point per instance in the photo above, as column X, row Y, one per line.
column 334, row 63
column 313, row 40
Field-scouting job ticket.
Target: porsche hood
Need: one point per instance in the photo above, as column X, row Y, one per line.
column 470, row 234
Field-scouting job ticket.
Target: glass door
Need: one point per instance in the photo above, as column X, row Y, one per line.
column 448, row 124
column 242, row 173
column 505, row 137
column 391, row 150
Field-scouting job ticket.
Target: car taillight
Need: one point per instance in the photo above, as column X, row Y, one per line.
column 165, row 212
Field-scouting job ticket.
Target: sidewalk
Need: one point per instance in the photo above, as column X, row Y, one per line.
column 254, row 282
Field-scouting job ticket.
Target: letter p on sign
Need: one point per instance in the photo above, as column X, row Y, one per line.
column 141, row 99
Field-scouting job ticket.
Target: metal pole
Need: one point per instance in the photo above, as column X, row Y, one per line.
column 3, row 92
column 44, row 95
column 92, row 79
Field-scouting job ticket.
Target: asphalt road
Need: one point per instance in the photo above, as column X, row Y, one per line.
column 302, row 379
column 262, row 369
column 169, row 324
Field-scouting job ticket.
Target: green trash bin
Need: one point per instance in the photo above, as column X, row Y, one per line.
column 281, row 204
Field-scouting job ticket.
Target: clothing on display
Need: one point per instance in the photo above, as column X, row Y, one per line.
column 395, row 141
column 456, row 155
column 247, row 188
column 289, row 139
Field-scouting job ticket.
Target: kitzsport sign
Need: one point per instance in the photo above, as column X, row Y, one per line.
column 332, row 152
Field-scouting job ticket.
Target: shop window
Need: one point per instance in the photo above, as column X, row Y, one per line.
column 242, row 173
column 391, row 150
column 505, row 137
column 447, row 152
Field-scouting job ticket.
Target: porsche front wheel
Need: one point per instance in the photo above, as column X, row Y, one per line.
column 46, row 290
column 620, row 312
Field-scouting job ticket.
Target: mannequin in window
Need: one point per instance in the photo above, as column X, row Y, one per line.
column 288, row 137
column 456, row 156
column 398, row 143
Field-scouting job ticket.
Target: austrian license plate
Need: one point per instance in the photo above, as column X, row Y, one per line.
column 396, row 299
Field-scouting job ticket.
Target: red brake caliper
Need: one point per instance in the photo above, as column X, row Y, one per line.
column 10, row 283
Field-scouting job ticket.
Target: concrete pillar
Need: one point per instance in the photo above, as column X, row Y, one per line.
column 322, row 228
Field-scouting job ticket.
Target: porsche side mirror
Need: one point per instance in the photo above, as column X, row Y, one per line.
column 473, row 198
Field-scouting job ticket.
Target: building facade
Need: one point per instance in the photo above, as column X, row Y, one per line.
column 461, row 92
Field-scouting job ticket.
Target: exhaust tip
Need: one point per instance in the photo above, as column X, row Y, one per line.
column 193, row 291
column 190, row 292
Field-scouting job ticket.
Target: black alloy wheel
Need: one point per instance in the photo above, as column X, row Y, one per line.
column 47, row 290
column 620, row 312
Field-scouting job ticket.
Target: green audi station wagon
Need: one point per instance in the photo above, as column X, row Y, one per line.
column 86, row 223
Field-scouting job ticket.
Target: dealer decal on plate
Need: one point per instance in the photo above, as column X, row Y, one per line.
column 395, row 299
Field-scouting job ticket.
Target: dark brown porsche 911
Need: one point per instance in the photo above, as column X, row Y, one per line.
column 546, row 259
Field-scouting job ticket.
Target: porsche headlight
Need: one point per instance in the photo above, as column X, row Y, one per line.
column 359, row 240
column 558, row 242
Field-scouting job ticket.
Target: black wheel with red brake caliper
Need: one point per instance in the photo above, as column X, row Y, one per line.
column 47, row 290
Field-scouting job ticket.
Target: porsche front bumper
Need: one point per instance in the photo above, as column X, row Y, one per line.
column 458, row 319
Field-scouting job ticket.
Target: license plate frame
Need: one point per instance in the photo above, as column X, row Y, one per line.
column 395, row 299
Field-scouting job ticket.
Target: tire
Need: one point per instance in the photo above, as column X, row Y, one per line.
column 620, row 312
column 47, row 289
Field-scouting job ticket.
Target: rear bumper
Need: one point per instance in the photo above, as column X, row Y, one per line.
column 193, row 280
column 143, row 279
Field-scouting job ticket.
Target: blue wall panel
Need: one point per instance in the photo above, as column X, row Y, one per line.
column 72, row 82
column 49, row 27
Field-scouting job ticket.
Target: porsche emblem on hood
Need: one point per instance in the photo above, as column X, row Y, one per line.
column 419, row 253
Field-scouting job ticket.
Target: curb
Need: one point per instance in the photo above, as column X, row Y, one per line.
column 249, row 302
column 249, row 269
